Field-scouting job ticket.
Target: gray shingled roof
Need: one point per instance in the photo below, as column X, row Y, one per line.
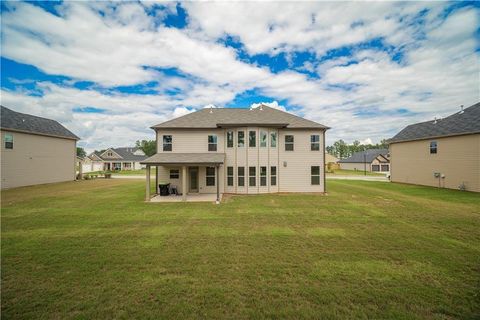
column 371, row 154
column 126, row 153
column 186, row 158
column 23, row 122
column 224, row 117
column 459, row 123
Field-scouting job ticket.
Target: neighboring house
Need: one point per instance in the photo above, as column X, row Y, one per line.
column 242, row 151
column 116, row 159
column 372, row 160
column 330, row 159
column 442, row 153
column 35, row 150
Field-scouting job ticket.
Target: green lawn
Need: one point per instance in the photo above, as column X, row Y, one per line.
column 94, row 250
column 355, row 172
column 134, row 172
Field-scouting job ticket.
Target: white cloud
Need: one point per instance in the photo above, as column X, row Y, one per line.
column 359, row 95
column 273, row 104
column 366, row 141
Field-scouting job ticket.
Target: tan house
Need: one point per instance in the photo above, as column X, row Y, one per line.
column 239, row 151
column 372, row 160
column 442, row 153
column 35, row 150
column 330, row 159
column 115, row 159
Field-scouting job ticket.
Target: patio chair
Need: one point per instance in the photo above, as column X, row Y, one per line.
column 173, row 190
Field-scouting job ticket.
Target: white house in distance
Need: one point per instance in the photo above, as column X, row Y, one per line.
column 35, row 150
column 115, row 159
column 239, row 151
column 372, row 160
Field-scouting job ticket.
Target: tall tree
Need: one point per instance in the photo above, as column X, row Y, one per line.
column 342, row 150
column 147, row 146
column 81, row 152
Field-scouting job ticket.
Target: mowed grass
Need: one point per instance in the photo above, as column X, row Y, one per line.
column 343, row 172
column 94, row 250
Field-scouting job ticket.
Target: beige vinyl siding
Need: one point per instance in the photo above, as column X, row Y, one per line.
column 295, row 176
column 164, row 176
column 37, row 159
column 458, row 158
column 187, row 140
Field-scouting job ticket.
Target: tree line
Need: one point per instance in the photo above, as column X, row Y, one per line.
column 147, row 146
column 342, row 150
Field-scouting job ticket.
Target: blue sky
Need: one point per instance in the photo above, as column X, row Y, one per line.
column 109, row 70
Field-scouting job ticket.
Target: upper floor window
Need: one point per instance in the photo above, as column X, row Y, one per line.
column 273, row 139
column 110, row 154
column 167, row 143
column 315, row 142
column 263, row 139
column 433, row 147
column 229, row 139
column 212, row 143
column 241, row 138
column 289, row 140
column 210, row 176
column 8, row 141
column 252, row 139
column 315, row 175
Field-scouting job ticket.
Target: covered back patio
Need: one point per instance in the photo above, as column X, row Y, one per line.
column 184, row 161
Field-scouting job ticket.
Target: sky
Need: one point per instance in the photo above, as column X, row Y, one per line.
column 109, row 71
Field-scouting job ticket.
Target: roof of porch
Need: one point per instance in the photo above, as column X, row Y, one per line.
column 184, row 158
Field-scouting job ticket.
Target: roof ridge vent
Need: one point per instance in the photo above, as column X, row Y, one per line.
column 435, row 120
column 211, row 109
column 261, row 107
column 461, row 109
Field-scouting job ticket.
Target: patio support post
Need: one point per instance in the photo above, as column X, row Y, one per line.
column 218, row 183
column 147, row 185
column 184, row 183
column 156, row 180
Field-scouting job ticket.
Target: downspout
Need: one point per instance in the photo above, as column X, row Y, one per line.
column 324, row 175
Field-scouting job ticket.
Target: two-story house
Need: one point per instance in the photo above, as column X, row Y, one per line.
column 239, row 151
column 115, row 159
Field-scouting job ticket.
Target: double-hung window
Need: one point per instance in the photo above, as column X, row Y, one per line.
column 315, row 175
column 252, row 176
column 252, row 139
column 263, row 139
column 8, row 141
column 241, row 176
column 174, row 174
column 315, row 142
column 210, row 176
column 229, row 139
column 241, row 139
column 433, row 147
column 273, row 176
column 212, row 143
column 167, row 143
column 230, row 176
column 263, row 176
column 289, row 141
column 273, row 139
